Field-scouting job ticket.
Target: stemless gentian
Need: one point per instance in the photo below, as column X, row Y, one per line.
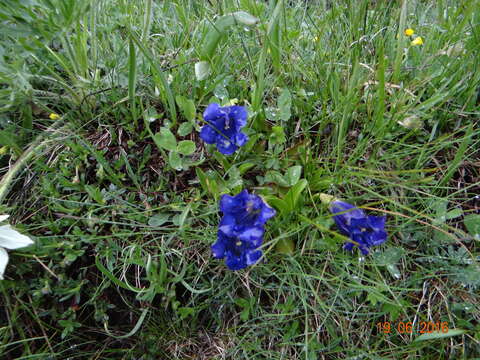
column 224, row 126
column 365, row 230
column 241, row 229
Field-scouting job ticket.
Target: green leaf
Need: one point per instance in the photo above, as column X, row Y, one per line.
column 273, row 176
column 293, row 196
column 95, row 194
column 219, row 29
column 454, row 213
column 187, row 106
column 186, row 147
column 285, row 246
column 202, row 70
column 158, row 219
column 284, row 104
column 175, row 160
column 185, row 312
column 278, row 135
column 184, row 129
column 279, row 204
column 440, row 335
column 245, row 18
column 472, row 223
column 245, row 167
column 293, row 175
column 202, row 177
column 165, row 139
column 132, row 78
column 389, row 256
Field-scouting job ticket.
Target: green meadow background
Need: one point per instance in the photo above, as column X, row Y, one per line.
column 100, row 107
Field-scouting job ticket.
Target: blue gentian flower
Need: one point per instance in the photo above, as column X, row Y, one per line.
column 224, row 126
column 241, row 229
column 365, row 230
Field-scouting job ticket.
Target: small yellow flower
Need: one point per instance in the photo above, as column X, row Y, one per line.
column 316, row 39
column 54, row 116
column 409, row 32
column 417, row 41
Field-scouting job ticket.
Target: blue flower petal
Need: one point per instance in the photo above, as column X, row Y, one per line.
column 377, row 222
column 365, row 230
column 241, row 229
column 241, row 139
column 364, row 250
column 266, row 213
column 208, row 134
column 239, row 115
column 251, row 234
column 347, row 209
column 348, row 246
column 235, row 262
column 224, row 127
column 212, row 112
column 377, row 238
column 225, row 146
column 252, row 257
column 227, row 225
column 218, row 249
column 227, row 203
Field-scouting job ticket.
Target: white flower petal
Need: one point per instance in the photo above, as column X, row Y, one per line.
column 12, row 239
column 4, row 217
column 3, row 261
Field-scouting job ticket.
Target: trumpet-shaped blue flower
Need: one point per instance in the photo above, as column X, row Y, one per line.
column 241, row 229
column 224, row 126
column 365, row 230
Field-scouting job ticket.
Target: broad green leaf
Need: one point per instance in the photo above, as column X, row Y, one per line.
column 454, row 213
column 165, row 139
column 219, row 29
column 285, row 246
column 186, row 147
column 202, row 70
column 158, row 219
column 245, row 167
column 293, row 175
column 184, row 129
column 472, row 223
column 278, row 135
column 175, row 160
column 273, row 176
column 187, row 106
column 293, row 196
column 389, row 256
column 279, row 204
column 284, row 104
column 245, row 18
column 440, row 335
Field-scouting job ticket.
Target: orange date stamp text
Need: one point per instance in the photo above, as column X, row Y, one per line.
column 402, row 327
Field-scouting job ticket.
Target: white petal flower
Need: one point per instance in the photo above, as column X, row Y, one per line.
column 12, row 239
column 3, row 261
